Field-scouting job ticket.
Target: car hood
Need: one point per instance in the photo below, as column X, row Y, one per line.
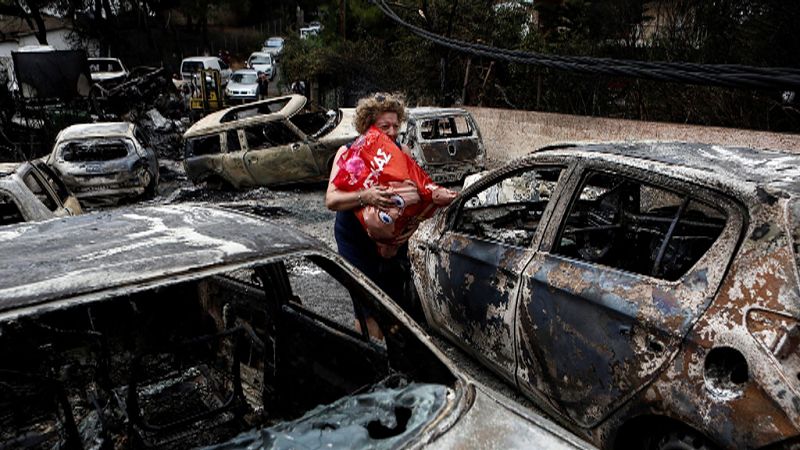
column 383, row 418
column 493, row 422
column 261, row 66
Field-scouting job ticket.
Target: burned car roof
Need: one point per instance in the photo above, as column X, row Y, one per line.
column 729, row 165
column 433, row 110
column 60, row 256
column 102, row 130
column 272, row 109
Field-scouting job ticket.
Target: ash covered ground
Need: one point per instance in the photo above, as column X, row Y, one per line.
column 303, row 208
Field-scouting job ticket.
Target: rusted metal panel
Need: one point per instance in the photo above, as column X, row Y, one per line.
column 715, row 349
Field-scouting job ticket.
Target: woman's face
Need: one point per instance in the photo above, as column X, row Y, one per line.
column 388, row 123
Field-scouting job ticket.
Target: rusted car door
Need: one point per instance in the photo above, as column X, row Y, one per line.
column 277, row 152
column 477, row 261
column 626, row 266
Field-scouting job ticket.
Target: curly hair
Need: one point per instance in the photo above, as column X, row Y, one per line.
column 369, row 108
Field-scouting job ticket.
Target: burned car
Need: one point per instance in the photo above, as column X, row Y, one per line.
column 31, row 191
column 264, row 143
column 105, row 162
column 186, row 326
column 446, row 142
column 646, row 294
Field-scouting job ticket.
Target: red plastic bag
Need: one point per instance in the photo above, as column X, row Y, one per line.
column 374, row 159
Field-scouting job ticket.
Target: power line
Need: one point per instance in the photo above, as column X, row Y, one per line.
column 726, row 75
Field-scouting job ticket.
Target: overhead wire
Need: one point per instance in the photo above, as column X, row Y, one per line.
column 726, row 75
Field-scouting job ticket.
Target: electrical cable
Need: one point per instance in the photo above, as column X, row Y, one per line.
column 726, row 75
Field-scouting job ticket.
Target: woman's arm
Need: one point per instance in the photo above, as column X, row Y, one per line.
column 337, row 200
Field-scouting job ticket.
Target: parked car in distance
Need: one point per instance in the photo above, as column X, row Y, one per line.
column 645, row 294
column 307, row 32
column 188, row 326
column 104, row 70
column 243, row 86
column 273, row 46
column 31, row 191
column 105, row 162
column 264, row 143
column 262, row 62
column 191, row 66
column 446, row 142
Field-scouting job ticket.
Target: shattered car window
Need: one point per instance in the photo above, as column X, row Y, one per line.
column 269, row 134
column 9, row 211
column 38, row 189
column 510, row 211
column 636, row 227
column 312, row 123
column 109, row 65
column 233, row 141
column 445, row 128
column 55, row 181
column 204, row 145
column 310, row 281
column 95, row 150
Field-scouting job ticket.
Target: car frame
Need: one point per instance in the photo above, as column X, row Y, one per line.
column 661, row 322
column 31, row 191
column 125, row 167
column 264, row 143
column 122, row 323
column 446, row 142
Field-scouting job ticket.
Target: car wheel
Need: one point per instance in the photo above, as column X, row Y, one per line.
column 682, row 439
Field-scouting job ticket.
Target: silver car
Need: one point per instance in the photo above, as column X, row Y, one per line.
column 243, row 86
column 105, row 162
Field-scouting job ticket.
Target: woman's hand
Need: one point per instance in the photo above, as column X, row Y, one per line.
column 443, row 197
column 378, row 196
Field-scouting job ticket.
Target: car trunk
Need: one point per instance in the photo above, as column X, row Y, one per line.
column 199, row 362
column 450, row 151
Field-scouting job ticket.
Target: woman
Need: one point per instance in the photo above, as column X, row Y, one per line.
column 386, row 112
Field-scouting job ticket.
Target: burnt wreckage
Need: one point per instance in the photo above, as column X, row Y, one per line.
column 185, row 326
column 645, row 295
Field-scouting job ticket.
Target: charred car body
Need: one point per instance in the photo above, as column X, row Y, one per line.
column 177, row 327
column 105, row 162
column 269, row 142
column 646, row 295
column 31, row 191
column 445, row 141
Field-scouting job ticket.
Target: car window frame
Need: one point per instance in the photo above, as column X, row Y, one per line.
column 453, row 215
column 735, row 225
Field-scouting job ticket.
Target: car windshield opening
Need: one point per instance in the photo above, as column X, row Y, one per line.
column 9, row 210
column 637, row 227
column 314, row 123
column 94, row 150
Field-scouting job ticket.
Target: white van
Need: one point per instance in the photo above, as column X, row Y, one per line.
column 190, row 66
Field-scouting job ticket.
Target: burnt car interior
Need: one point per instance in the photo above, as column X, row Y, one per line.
column 9, row 211
column 269, row 134
column 316, row 123
column 634, row 226
column 94, row 150
column 199, row 362
column 445, row 128
column 509, row 211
